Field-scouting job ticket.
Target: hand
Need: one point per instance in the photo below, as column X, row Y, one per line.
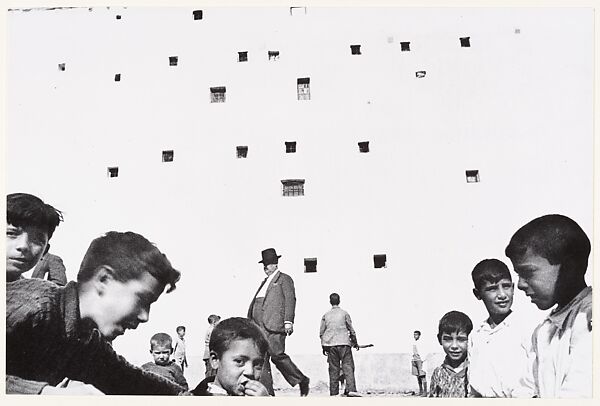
column 289, row 328
column 71, row 388
column 255, row 388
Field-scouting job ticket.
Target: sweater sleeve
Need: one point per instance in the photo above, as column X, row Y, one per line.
column 16, row 385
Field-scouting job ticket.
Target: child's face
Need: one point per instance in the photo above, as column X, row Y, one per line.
column 161, row 354
column 123, row 305
column 241, row 363
column 538, row 279
column 25, row 246
column 455, row 346
column 416, row 336
column 181, row 333
column 497, row 297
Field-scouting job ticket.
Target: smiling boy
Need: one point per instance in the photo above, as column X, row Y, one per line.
column 237, row 351
column 30, row 224
column 550, row 255
column 161, row 348
column 55, row 332
column 499, row 346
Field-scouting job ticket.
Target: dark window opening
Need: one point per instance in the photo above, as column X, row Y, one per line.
column 167, row 156
column 197, row 14
column 303, row 88
column 293, row 187
column 117, row 77
column 243, row 56
column 173, row 60
column 61, row 66
column 118, row 17
column 465, row 42
column 517, row 30
column 472, row 176
column 217, row 94
column 420, row 74
column 363, row 146
column 310, row 265
column 113, row 171
column 242, row 151
column 290, row 147
column 294, row 11
column 273, row 55
column 405, row 46
column 355, row 49
column 379, row 260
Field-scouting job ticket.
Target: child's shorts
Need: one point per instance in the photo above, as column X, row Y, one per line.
column 417, row 368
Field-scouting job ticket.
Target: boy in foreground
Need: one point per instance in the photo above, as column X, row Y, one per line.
column 161, row 348
column 53, row 332
column 237, row 351
column 550, row 255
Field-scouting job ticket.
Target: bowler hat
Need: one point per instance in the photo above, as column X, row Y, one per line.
column 269, row 256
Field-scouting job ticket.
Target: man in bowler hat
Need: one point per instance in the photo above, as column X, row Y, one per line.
column 272, row 308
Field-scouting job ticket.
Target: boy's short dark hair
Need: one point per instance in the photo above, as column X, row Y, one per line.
column 213, row 318
column 417, row 332
column 130, row 255
column 23, row 209
column 454, row 322
column 161, row 339
column 489, row 270
column 334, row 299
column 180, row 328
column 236, row 328
column 555, row 237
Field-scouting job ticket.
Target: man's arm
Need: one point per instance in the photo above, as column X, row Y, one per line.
column 323, row 327
column 289, row 298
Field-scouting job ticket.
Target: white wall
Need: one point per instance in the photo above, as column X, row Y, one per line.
column 517, row 107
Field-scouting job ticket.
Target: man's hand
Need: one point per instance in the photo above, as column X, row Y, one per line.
column 255, row 388
column 67, row 387
column 289, row 328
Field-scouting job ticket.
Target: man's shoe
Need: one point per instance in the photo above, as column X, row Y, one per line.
column 304, row 387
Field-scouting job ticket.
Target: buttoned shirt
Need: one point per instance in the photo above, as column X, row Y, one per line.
column 336, row 328
column 498, row 358
column 562, row 350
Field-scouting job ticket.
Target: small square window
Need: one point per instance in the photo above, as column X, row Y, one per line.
column 293, row 187
column 242, row 151
column 117, row 77
column 405, row 46
column 197, row 14
column 61, row 67
column 303, row 88
column 363, row 146
column 118, row 17
column 168, row 155
column 355, row 49
column 217, row 94
column 295, row 11
column 310, row 265
column 379, row 261
column 290, row 147
column 472, row 176
column 465, row 42
column 273, row 55
column 517, row 30
column 420, row 74
column 243, row 56
column 173, row 60
column 113, row 171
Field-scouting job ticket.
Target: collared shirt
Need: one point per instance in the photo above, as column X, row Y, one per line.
column 336, row 328
column 562, row 350
column 448, row 382
column 46, row 341
column 263, row 290
column 498, row 358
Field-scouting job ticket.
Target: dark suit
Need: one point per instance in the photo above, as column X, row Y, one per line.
column 270, row 313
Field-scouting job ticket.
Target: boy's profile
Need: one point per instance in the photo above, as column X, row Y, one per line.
column 213, row 320
column 161, row 348
column 499, row 346
column 53, row 332
column 179, row 350
column 450, row 380
column 237, row 351
column 30, row 224
column 550, row 255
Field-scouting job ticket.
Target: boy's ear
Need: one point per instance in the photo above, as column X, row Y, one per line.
column 103, row 275
column 476, row 293
column 439, row 337
column 46, row 250
column 214, row 360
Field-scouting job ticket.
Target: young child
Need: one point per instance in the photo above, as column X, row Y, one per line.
column 213, row 320
column 161, row 349
column 53, row 332
column 237, row 351
column 499, row 346
column 550, row 255
column 30, row 224
column 450, row 379
column 179, row 350
column 417, row 365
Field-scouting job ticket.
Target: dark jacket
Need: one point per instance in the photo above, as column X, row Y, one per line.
column 279, row 304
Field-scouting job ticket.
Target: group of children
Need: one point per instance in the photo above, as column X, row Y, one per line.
column 507, row 356
column 58, row 339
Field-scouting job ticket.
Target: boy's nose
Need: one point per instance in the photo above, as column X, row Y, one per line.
column 249, row 370
column 144, row 315
column 522, row 284
column 22, row 242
